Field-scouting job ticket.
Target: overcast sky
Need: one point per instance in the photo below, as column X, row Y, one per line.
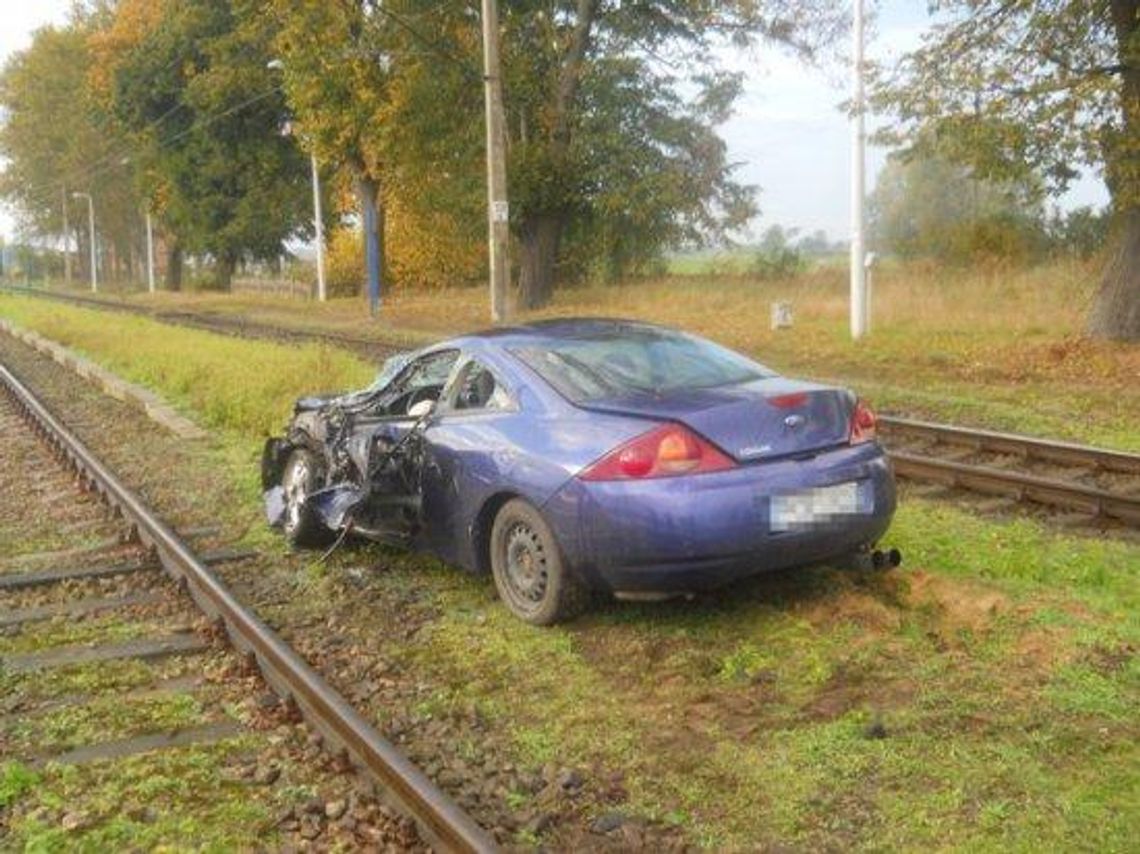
column 788, row 133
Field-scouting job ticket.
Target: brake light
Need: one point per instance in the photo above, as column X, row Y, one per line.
column 793, row 400
column 665, row 451
column 863, row 423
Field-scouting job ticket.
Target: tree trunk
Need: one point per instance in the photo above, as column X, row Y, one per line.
column 372, row 216
column 83, row 255
column 540, row 235
column 1116, row 310
column 173, row 266
column 541, row 231
column 224, row 271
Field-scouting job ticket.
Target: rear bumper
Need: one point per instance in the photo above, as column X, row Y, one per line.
column 693, row 533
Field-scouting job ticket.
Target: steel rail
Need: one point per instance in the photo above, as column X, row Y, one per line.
column 1029, row 447
column 217, row 323
column 440, row 820
column 1024, row 487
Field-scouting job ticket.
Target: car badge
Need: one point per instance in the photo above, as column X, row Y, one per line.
column 794, row 421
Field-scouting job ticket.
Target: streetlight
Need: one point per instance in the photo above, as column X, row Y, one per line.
column 318, row 225
column 91, row 226
column 860, row 307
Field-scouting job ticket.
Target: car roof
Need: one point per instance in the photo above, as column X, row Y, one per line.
column 556, row 329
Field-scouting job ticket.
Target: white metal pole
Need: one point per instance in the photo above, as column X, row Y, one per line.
column 149, row 254
column 320, row 229
column 94, row 262
column 860, row 310
column 66, row 243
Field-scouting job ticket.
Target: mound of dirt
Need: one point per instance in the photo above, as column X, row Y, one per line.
column 958, row 605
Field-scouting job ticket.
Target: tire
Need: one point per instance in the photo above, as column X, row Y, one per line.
column 303, row 473
column 530, row 575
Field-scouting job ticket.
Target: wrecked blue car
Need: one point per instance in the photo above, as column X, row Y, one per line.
column 570, row 456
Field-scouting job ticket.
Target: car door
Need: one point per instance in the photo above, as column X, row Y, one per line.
column 466, row 451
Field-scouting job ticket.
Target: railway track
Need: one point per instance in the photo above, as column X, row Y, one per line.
column 1101, row 484
column 107, row 604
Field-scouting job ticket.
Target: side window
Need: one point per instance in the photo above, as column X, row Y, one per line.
column 477, row 389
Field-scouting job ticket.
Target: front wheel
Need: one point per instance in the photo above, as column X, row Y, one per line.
column 529, row 573
column 302, row 475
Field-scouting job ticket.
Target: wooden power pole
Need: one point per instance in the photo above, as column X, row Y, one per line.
column 498, row 210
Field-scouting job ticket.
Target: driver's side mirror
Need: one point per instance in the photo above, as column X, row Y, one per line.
column 421, row 409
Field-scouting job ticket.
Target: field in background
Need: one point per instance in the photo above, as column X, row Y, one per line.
column 997, row 348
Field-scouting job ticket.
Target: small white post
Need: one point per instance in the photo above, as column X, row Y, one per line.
column 149, row 253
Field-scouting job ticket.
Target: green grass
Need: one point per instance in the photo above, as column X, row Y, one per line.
column 57, row 633
column 15, row 781
column 1000, row 662
column 243, row 388
column 173, row 797
column 105, row 719
column 999, row 347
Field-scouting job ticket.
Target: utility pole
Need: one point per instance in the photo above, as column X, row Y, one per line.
column 91, row 226
column 66, row 241
column 149, row 254
column 860, row 309
column 498, row 209
column 319, row 226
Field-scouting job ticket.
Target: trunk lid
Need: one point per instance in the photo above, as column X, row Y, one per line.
column 761, row 420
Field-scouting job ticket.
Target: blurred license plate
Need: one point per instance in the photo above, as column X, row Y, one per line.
column 804, row 509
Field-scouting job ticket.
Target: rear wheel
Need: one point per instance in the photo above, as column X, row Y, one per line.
column 529, row 573
column 303, row 474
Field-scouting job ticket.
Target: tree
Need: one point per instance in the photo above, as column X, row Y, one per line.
column 776, row 256
column 612, row 149
column 57, row 138
column 1081, row 232
column 207, row 116
column 337, row 56
column 818, row 244
column 615, row 145
column 930, row 206
column 1014, row 88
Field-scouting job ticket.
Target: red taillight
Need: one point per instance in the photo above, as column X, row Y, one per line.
column 862, row 423
column 665, row 451
column 789, row 401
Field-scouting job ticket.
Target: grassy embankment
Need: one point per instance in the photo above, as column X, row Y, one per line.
column 1001, row 663
column 996, row 348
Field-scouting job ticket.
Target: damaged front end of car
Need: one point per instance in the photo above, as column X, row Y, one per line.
column 364, row 477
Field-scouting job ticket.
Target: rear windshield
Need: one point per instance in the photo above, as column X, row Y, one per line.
column 636, row 360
